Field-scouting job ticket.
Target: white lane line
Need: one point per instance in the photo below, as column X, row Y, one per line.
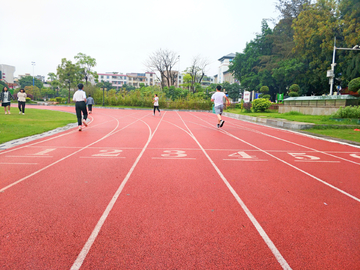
column 30, row 156
column 102, row 157
column 324, row 161
column 4, row 163
column 246, row 159
column 172, row 158
column 85, row 250
column 257, row 225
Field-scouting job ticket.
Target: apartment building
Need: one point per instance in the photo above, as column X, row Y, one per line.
column 134, row 79
column 7, row 73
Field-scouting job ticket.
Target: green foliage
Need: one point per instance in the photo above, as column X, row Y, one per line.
column 293, row 94
column 294, row 88
column 233, row 90
column 348, row 112
column 58, row 99
column 264, row 89
column 354, row 85
column 28, row 81
column 2, row 85
column 28, row 99
column 265, row 96
column 261, row 104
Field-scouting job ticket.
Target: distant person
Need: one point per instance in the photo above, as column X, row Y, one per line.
column 90, row 101
column 156, row 104
column 218, row 99
column 5, row 98
column 21, row 100
column 80, row 105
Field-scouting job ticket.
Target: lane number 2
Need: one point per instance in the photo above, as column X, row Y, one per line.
column 108, row 153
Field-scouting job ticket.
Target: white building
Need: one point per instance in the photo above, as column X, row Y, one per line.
column 224, row 67
column 134, row 79
column 7, row 73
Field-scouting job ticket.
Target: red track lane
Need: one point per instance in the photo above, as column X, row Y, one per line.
column 175, row 210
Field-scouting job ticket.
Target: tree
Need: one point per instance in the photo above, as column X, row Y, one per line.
column 196, row 72
column 86, row 64
column 69, row 74
column 28, row 81
column 2, row 85
column 164, row 61
column 34, row 91
column 233, row 90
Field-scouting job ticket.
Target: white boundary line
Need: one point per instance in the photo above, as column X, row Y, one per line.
column 257, row 225
column 85, row 250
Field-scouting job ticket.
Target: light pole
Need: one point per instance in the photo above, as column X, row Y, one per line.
column 33, row 64
column 178, row 82
column 331, row 73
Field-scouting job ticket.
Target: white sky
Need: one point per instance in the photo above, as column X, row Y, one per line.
column 121, row 35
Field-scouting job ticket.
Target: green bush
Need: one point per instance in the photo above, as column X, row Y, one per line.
column 28, row 100
column 58, row 99
column 294, row 88
column 261, row 104
column 354, row 85
column 347, row 112
column 264, row 89
column 264, row 96
column 293, row 94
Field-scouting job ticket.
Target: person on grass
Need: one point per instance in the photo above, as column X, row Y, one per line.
column 218, row 99
column 156, row 104
column 90, row 101
column 21, row 100
column 80, row 105
column 5, row 98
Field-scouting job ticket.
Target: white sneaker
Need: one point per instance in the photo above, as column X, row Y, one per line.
column 23, row 113
column 5, row 112
column 79, row 128
column 9, row 112
column 84, row 122
column 19, row 112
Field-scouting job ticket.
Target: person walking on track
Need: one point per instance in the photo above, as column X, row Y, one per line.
column 21, row 100
column 5, row 98
column 80, row 105
column 156, row 104
column 218, row 99
column 90, row 101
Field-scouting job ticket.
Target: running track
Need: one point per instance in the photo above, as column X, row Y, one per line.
column 136, row 191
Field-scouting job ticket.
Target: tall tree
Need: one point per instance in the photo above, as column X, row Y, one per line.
column 86, row 64
column 69, row 74
column 197, row 71
column 28, row 81
column 163, row 62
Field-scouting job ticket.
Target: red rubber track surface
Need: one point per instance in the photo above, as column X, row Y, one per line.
column 137, row 191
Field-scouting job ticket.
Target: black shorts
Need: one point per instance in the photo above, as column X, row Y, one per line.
column 5, row 104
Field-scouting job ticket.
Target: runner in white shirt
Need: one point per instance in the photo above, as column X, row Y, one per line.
column 156, row 104
column 80, row 105
column 218, row 99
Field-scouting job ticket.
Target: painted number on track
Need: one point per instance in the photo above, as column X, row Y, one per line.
column 241, row 155
column 303, row 156
column 174, row 154
column 108, row 153
column 44, row 152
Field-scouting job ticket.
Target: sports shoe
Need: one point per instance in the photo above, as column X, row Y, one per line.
column 5, row 112
column 19, row 112
column 84, row 122
column 218, row 125
column 23, row 113
column 222, row 123
column 79, row 128
column 159, row 113
column 9, row 112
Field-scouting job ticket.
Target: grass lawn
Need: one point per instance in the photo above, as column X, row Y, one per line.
column 35, row 121
column 345, row 134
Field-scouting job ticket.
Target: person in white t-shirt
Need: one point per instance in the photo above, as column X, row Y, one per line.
column 218, row 99
column 156, row 104
column 80, row 105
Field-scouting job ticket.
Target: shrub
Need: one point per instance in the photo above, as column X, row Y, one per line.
column 28, row 99
column 261, row 104
column 247, row 106
column 354, row 85
column 264, row 89
column 294, row 88
column 265, row 96
column 347, row 112
column 58, row 99
column 293, row 94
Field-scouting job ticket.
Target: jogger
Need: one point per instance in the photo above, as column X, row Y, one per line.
column 21, row 100
column 218, row 100
column 80, row 106
column 156, row 104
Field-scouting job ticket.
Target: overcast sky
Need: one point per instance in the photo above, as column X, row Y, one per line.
column 121, row 35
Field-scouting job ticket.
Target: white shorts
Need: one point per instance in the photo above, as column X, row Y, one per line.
column 219, row 109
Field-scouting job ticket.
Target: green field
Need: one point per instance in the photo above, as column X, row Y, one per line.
column 35, row 121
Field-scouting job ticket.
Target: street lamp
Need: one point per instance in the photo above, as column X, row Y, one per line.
column 178, row 80
column 331, row 73
column 33, row 64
